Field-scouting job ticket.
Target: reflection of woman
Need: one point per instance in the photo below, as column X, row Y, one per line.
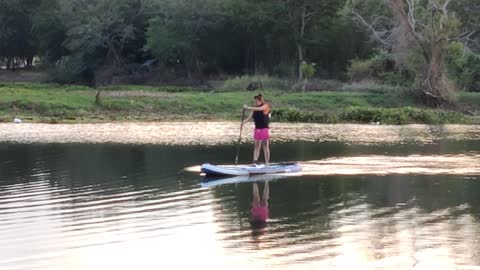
column 259, row 211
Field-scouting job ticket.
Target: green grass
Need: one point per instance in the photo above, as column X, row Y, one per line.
column 169, row 89
column 57, row 103
column 470, row 99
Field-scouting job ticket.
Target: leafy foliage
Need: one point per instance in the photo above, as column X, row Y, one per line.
column 464, row 66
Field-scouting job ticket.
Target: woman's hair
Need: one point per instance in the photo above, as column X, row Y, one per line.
column 259, row 97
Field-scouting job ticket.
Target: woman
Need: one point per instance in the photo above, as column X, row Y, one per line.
column 261, row 135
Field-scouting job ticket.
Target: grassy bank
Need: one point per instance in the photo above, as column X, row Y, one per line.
column 56, row 103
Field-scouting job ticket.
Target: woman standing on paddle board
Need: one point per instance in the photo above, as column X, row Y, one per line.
column 261, row 135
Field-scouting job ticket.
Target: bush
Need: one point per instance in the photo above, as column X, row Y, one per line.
column 308, row 70
column 399, row 116
column 294, row 115
column 267, row 82
column 370, row 87
column 380, row 69
column 464, row 66
column 324, row 85
column 170, row 89
column 71, row 69
column 360, row 70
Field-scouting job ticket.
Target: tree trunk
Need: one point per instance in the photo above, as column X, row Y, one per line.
column 255, row 68
column 303, row 22
column 30, row 61
column 300, row 60
column 403, row 42
column 187, row 67
column 433, row 82
column 115, row 54
column 304, row 87
column 198, row 66
column 97, row 97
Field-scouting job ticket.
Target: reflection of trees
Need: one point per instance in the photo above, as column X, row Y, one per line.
column 430, row 193
column 73, row 166
column 378, row 217
column 17, row 163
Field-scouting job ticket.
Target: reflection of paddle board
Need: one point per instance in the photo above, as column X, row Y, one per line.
column 210, row 181
column 245, row 170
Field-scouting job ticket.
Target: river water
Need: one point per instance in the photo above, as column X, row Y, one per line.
column 396, row 198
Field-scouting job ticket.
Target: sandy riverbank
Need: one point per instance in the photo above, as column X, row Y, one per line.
column 213, row 133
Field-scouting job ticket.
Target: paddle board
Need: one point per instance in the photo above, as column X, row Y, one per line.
column 246, row 170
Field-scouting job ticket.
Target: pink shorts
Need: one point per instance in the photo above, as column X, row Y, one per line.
column 261, row 134
column 259, row 213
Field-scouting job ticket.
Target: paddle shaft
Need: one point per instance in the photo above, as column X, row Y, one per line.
column 239, row 137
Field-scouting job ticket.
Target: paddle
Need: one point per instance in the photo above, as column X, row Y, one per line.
column 239, row 137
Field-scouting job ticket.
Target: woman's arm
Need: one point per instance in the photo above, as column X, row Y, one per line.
column 261, row 108
column 249, row 118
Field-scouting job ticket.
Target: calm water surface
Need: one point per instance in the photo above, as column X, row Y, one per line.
column 98, row 206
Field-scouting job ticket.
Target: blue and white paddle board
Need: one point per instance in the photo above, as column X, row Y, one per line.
column 246, row 170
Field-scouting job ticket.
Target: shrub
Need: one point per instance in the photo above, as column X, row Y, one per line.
column 294, row 115
column 267, row 82
column 370, row 87
column 399, row 116
column 464, row 67
column 380, row 69
column 324, row 85
column 70, row 70
column 308, row 70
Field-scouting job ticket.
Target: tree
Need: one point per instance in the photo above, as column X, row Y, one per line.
column 468, row 12
column 265, row 33
column 308, row 70
column 302, row 15
column 101, row 24
column 99, row 35
column 177, row 35
column 49, row 31
column 17, row 41
column 427, row 27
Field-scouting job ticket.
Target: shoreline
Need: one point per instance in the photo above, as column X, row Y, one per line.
column 50, row 103
column 211, row 133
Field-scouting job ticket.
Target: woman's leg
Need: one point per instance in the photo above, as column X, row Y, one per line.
column 266, row 194
column 266, row 151
column 256, row 195
column 256, row 151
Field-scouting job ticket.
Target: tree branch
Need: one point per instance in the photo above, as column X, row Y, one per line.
column 466, row 37
column 434, row 30
column 411, row 12
column 444, row 7
column 374, row 32
column 418, row 37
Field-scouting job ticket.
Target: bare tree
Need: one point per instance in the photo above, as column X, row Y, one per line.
column 300, row 14
column 429, row 33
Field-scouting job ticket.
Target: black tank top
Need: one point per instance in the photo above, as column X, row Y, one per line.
column 261, row 118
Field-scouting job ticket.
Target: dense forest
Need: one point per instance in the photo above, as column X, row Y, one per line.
column 429, row 45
